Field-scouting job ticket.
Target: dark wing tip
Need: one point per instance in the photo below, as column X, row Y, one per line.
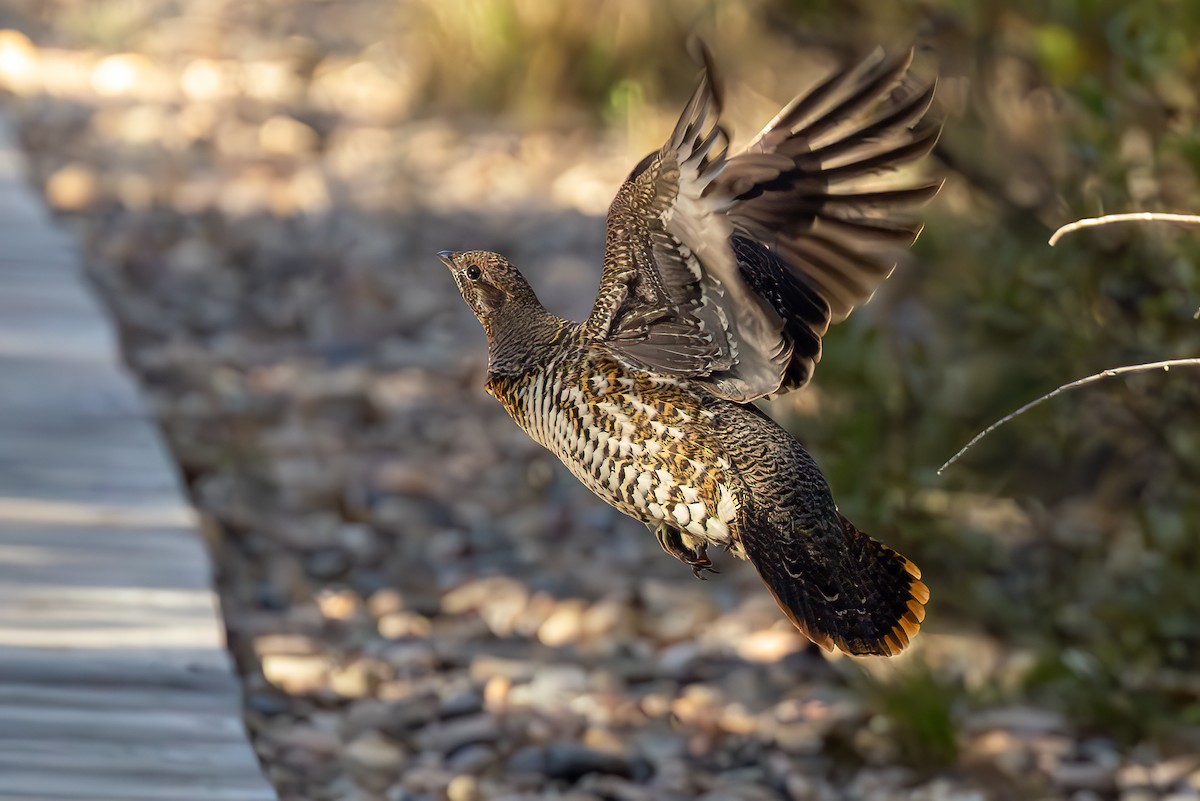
column 699, row 52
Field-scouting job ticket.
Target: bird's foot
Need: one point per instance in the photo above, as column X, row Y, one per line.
column 695, row 557
column 701, row 563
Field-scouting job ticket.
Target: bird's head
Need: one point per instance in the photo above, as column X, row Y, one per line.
column 493, row 288
column 516, row 323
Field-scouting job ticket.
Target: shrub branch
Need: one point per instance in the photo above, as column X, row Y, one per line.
column 1135, row 216
column 1112, row 373
column 1092, row 222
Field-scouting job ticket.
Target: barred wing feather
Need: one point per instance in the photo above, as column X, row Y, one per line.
column 729, row 270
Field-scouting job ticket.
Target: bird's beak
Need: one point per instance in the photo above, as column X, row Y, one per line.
column 447, row 258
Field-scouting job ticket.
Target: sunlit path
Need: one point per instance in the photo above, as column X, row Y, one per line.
column 114, row 679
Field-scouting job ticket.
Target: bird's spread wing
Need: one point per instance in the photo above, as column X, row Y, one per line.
column 730, row 269
column 671, row 299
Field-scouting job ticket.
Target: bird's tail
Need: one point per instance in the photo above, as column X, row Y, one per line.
column 842, row 588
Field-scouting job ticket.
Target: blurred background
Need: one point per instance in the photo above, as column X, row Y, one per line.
column 424, row 605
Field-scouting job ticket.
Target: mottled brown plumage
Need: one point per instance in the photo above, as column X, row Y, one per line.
column 720, row 277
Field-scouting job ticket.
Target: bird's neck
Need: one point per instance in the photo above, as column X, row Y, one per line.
column 522, row 339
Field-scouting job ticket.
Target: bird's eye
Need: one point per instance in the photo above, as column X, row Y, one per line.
column 473, row 272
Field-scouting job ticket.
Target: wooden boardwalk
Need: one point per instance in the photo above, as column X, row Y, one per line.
column 114, row 680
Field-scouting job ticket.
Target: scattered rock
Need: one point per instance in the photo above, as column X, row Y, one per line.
column 296, row 674
column 72, row 188
column 409, row 659
column 1092, row 776
column 770, row 645
column 285, row 136
column 313, row 741
column 1020, row 720
column 467, row 702
column 327, row 564
column 571, row 761
column 463, row 788
column 341, row 604
column 403, row 717
column 472, row 759
column 269, row 704
column 448, row 736
column 564, row 625
column 356, row 679
column 373, row 756
column 399, row 625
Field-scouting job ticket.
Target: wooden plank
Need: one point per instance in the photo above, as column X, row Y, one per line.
column 145, row 472
column 34, row 286
column 46, row 252
column 17, row 212
column 34, row 785
column 214, row 725
column 146, row 571
column 114, row 680
column 16, row 475
column 28, row 237
column 65, row 392
column 99, row 494
column 198, row 668
column 46, row 311
column 107, row 443
column 111, row 437
column 82, row 547
column 155, row 616
column 35, row 389
column 127, row 604
column 42, row 795
column 87, row 697
column 198, row 762
column 55, row 334
column 11, row 164
column 27, row 545
column 41, row 510
column 28, row 232
column 23, row 291
column 53, row 449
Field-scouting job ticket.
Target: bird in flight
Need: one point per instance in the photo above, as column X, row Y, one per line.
column 721, row 274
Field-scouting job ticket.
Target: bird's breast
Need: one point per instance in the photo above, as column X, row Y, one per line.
column 641, row 442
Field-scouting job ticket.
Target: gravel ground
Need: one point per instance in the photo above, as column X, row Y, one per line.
column 422, row 603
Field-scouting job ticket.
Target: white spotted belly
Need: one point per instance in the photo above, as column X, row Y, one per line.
column 635, row 451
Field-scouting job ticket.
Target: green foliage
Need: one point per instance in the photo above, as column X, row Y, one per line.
column 916, row 709
column 1094, row 690
column 540, row 62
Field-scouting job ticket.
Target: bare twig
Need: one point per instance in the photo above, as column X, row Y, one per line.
column 1116, row 371
column 1136, row 216
column 1091, row 222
